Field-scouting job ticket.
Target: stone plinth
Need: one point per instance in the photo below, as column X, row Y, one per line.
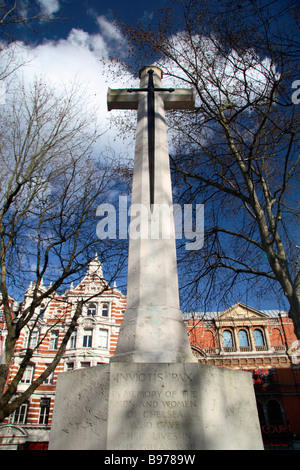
column 155, row 407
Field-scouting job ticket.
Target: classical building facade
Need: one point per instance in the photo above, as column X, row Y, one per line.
column 263, row 343
column 260, row 342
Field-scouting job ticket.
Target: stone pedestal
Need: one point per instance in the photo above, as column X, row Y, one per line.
column 155, row 406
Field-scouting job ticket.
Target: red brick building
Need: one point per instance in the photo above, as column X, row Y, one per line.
column 263, row 343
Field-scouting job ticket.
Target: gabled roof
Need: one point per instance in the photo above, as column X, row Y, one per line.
column 240, row 310
column 236, row 311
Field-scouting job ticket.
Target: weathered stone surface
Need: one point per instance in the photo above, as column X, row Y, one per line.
column 81, row 409
column 155, row 407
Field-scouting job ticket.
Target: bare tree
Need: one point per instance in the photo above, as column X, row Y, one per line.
column 238, row 153
column 51, row 186
column 31, row 15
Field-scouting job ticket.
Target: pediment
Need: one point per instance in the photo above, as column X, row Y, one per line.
column 10, row 430
column 241, row 311
column 87, row 322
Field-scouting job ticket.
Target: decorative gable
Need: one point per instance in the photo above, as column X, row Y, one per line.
column 240, row 311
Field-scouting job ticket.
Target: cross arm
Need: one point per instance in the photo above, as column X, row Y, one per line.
column 121, row 99
column 182, row 98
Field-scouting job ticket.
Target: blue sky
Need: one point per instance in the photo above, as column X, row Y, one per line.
column 83, row 14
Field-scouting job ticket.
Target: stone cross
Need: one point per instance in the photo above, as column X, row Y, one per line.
column 152, row 329
column 151, row 125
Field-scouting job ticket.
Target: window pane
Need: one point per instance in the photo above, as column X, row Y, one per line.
column 28, row 374
column 49, row 379
column 243, row 338
column 227, row 339
column 87, row 339
column 44, row 410
column 92, row 309
column 103, row 340
column 72, row 341
column 105, row 310
column 258, row 338
column 53, row 342
column 34, row 339
column 274, row 412
column 19, row 416
column 84, row 365
column 42, row 310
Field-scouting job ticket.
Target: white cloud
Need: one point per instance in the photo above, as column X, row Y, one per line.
column 84, row 58
column 49, row 7
column 219, row 75
column 109, row 30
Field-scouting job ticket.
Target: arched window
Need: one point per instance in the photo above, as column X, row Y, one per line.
column 72, row 340
column 243, row 339
column 274, row 412
column 42, row 311
column 19, row 416
column 227, row 339
column 92, row 310
column 258, row 338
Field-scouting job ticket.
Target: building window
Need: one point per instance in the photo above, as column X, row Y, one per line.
column 28, row 375
column 103, row 338
column 87, row 338
column 44, row 411
column 274, row 412
column 31, row 339
column 243, row 339
column 53, row 342
column 19, row 416
column 72, row 340
column 227, row 339
column 70, row 365
column 49, row 379
column 258, row 338
column 42, row 311
column 84, row 365
column 105, row 310
column 92, row 310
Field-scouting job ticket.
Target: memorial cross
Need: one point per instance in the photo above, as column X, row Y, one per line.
column 150, row 90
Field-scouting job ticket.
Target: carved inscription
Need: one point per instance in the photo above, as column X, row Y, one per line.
column 155, row 410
